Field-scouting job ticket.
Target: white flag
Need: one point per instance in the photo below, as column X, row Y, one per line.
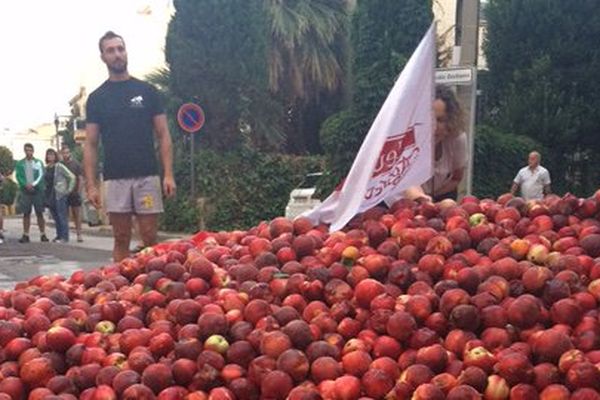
column 401, row 136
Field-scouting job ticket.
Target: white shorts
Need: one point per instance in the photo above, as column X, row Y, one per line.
column 136, row 195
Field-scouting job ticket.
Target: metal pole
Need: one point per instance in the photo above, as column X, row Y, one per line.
column 467, row 37
column 192, row 169
column 56, row 123
column 471, row 137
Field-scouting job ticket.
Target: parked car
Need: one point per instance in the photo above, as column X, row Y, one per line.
column 301, row 198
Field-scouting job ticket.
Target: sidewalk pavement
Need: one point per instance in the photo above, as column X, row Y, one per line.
column 106, row 230
column 99, row 230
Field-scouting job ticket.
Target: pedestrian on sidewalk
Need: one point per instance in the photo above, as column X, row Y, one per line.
column 59, row 182
column 74, row 198
column 127, row 114
column 30, row 177
column 533, row 180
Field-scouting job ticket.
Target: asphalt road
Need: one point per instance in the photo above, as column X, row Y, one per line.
column 19, row 262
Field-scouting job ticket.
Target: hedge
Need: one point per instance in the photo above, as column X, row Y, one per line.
column 8, row 192
column 240, row 188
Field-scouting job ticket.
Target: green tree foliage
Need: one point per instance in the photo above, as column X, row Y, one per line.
column 384, row 33
column 217, row 56
column 8, row 189
column 543, row 62
column 240, row 188
column 8, row 192
column 7, row 162
column 307, row 61
column 303, row 53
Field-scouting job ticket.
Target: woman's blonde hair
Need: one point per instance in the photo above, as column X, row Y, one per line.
column 455, row 113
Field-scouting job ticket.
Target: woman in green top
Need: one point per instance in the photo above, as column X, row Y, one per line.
column 59, row 183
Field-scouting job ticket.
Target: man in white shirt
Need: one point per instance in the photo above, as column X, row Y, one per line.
column 534, row 180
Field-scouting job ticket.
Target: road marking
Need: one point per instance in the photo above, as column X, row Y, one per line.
column 65, row 269
column 8, row 285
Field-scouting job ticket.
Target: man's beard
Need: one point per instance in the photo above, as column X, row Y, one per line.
column 118, row 68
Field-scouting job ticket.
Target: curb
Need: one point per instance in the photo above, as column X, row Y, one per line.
column 106, row 231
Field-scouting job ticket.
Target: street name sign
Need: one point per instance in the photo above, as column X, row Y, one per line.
column 454, row 76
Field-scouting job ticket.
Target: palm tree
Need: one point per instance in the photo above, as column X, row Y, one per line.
column 307, row 61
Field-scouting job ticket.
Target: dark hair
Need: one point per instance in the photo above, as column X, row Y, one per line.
column 27, row 146
column 456, row 116
column 107, row 36
column 51, row 151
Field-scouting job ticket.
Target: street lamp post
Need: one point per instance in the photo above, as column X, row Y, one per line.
column 56, row 125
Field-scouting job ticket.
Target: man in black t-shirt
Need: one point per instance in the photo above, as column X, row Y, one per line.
column 126, row 113
column 74, row 198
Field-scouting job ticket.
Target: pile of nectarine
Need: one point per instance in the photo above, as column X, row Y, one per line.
column 493, row 299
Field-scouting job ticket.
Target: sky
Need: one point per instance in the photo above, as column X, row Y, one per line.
column 50, row 48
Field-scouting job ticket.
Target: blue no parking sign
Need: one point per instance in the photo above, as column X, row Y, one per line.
column 190, row 117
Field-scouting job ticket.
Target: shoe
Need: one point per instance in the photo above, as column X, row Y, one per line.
column 44, row 238
column 1, row 238
column 57, row 240
column 138, row 248
column 79, row 239
column 24, row 239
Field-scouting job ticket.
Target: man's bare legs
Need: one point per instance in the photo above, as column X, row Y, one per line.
column 41, row 224
column 121, row 225
column 26, row 224
column 76, row 215
column 148, row 228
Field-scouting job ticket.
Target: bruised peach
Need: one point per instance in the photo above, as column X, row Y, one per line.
column 550, row 344
column 377, row 383
column 524, row 312
column 463, row 392
column 325, row 368
column 347, row 387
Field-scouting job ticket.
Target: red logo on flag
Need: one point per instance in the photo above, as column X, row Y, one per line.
column 392, row 151
column 396, row 157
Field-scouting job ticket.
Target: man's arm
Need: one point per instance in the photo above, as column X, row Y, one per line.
column 514, row 188
column 78, row 172
column 166, row 153
column 516, row 183
column 90, row 158
column 71, row 178
column 38, row 180
column 20, row 174
column 547, row 190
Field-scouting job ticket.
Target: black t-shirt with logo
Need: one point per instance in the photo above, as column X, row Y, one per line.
column 124, row 111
